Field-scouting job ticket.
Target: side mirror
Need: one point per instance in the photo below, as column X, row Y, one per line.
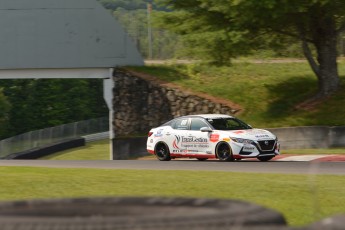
column 206, row 129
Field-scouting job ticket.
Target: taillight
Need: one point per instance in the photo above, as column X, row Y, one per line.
column 150, row 134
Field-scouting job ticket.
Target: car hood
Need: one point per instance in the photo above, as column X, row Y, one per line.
column 251, row 134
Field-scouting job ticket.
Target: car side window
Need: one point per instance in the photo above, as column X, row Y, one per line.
column 181, row 124
column 197, row 124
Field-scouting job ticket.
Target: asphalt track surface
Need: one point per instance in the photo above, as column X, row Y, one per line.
column 278, row 167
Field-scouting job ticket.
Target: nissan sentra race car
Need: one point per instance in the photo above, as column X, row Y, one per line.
column 209, row 136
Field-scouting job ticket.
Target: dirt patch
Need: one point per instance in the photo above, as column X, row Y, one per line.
column 310, row 104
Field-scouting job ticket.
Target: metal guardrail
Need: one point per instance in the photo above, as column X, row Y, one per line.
column 97, row 136
column 42, row 137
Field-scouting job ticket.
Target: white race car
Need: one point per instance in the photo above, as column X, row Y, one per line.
column 211, row 136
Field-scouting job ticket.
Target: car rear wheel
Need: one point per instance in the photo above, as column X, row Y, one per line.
column 224, row 152
column 265, row 158
column 162, row 152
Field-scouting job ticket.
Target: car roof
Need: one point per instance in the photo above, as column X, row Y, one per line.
column 210, row 116
column 205, row 116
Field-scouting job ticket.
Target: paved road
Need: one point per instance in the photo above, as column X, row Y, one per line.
column 291, row 167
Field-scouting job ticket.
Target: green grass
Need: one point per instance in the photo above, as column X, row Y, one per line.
column 340, row 151
column 302, row 199
column 98, row 150
column 267, row 92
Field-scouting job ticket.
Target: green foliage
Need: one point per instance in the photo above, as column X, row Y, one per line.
column 217, row 31
column 267, row 92
column 212, row 29
column 4, row 110
column 37, row 104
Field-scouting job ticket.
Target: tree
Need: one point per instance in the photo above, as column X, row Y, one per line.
column 42, row 103
column 239, row 24
column 4, row 109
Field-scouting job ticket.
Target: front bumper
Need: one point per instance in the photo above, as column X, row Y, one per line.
column 256, row 149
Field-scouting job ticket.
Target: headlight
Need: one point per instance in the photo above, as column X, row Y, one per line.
column 243, row 141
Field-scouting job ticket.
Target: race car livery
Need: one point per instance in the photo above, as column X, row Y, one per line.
column 211, row 136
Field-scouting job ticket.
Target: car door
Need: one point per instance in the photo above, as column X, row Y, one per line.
column 177, row 136
column 200, row 141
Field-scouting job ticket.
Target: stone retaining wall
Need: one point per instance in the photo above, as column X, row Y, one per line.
column 141, row 102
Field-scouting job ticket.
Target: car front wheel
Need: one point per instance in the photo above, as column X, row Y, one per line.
column 224, row 152
column 162, row 152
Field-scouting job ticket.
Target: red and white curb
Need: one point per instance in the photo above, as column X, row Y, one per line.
column 320, row 158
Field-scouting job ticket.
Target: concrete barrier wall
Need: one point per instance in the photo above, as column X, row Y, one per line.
column 46, row 150
column 289, row 138
column 337, row 136
column 127, row 148
column 310, row 137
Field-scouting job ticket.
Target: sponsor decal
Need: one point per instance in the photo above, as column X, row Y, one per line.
column 179, row 151
column 159, row 133
column 214, row 137
column 262, row 136
column 202, row 146
column 193, row 151
column 151, row 141
column 257, row 131
column 226, row 139
column 193, row 140
column 176, row 142
column 239, row 132
column 190, row 142
column 248, row 148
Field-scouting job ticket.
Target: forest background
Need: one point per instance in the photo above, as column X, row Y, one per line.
column 27, row 105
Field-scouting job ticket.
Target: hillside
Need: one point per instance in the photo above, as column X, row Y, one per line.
column 267, row 91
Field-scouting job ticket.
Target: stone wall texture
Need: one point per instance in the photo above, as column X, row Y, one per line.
column 142, row 102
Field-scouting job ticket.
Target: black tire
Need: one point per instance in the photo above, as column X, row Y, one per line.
column 224, row 152
column 265, row 158
column 202, row 159
column 162, row 152
column 137, row 213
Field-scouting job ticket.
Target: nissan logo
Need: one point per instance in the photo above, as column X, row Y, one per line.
column 266, row 142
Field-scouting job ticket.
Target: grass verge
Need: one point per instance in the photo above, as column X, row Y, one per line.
column 340, row 151
column 97, row 150
column 302, row 199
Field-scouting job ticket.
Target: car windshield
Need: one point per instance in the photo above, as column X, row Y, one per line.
column 227, row 124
